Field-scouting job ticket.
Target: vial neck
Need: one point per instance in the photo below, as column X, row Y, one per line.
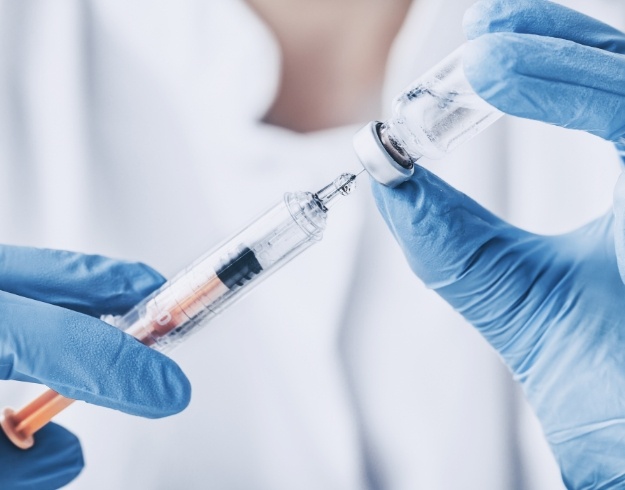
column 395, row 148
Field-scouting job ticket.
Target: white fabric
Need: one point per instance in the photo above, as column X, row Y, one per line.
column 130, row 128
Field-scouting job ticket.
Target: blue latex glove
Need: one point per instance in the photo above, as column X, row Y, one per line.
column 47, row 335
column 553, row 307
column 539, row 60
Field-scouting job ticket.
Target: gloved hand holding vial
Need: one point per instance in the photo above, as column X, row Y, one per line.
column 552, row 306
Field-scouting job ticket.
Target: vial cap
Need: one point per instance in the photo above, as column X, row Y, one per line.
column 376, row 160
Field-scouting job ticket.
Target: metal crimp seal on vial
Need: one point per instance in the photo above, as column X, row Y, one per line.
column 376, row 159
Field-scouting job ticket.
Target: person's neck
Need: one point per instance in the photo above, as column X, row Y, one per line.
column 334, row 56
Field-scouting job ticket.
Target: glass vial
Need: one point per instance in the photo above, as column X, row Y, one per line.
column 434, row 115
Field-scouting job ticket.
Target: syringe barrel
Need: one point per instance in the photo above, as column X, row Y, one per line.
column 224, row 275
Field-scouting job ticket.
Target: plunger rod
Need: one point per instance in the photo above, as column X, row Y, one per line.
column 20, row 426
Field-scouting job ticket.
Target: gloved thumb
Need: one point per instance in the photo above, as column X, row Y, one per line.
column 477, row 262
column 619, row 224
column 440, row 229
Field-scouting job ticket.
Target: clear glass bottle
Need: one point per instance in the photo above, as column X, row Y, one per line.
column 434, row 115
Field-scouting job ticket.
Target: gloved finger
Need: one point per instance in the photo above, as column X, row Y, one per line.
column 543, row 18
column 84, row 358
column 53, row 462
column 550, row 80
column 479, row 264
column 87, row 283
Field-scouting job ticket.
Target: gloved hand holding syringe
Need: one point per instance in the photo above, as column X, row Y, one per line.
column 204, row 289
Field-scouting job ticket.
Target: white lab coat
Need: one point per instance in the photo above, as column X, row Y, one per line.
column 132, row 129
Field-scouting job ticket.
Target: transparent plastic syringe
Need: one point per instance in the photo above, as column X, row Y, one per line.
column 207, row 287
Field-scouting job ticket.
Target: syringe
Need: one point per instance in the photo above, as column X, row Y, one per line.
column 204, row 289
column 434, row 115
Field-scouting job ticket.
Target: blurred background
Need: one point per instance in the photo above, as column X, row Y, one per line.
column 151, row 130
